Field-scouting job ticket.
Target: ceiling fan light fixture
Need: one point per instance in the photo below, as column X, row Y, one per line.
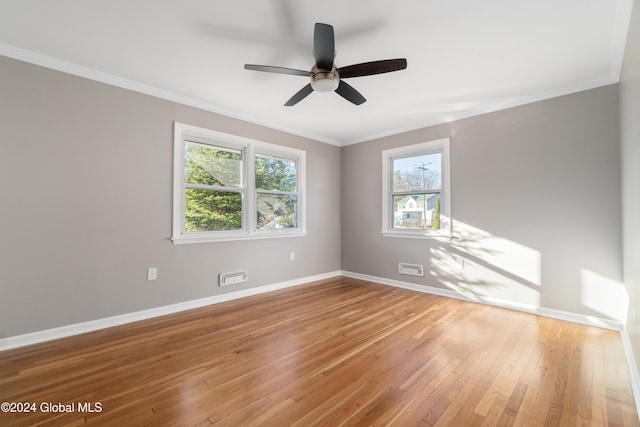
column 325, row 76
column 324, row 81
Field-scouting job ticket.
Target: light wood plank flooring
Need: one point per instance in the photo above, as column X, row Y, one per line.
column 335, row 352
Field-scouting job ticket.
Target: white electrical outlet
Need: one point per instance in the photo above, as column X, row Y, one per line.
column 152, row 273
column 292, row 256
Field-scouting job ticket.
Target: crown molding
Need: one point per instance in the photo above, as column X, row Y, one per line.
column 621, row 30
column 490, row 108
column 113, row 80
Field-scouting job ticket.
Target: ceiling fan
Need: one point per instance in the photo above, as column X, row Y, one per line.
column 325, row 76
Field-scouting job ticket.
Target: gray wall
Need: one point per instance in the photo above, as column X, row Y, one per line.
column 535, row 200
column 630, row 141
column 86, row 175
column 85, row 184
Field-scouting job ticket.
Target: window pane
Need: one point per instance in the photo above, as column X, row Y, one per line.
column 417, row 173
column 207, row 210
column 211, row 165
column 420, row 211
column 277, row 211
column 274, row 173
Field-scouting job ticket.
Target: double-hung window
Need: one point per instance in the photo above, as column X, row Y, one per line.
column 230, row 188
column 416, row 190
column 276, row 192
column 214, row 186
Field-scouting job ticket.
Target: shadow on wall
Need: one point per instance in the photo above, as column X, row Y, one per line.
column 486, row 268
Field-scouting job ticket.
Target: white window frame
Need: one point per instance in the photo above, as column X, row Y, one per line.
column 184, row 132
column 439, row 145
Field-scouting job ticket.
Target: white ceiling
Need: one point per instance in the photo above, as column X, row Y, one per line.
column 465, row 57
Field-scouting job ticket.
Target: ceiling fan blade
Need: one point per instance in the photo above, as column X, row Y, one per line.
column 346, row 91
column 278, row 70
column 370, row 68
column 300, row 95
column 324, row 46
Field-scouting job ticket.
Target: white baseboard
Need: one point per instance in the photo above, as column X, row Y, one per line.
column 94, row 325
column 511, row 305
column 634, row 375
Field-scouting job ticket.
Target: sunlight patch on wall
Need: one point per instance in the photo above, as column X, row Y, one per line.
column 502, row 254
column 481, row 266
column 604, row 295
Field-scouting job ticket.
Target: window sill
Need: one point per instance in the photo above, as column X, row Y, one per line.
column 181, row 240
column 440, row 235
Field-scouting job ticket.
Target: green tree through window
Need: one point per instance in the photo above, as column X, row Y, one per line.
column 211, row 176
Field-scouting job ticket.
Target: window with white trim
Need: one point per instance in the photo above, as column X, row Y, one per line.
column 230, row 188
column 416, row 190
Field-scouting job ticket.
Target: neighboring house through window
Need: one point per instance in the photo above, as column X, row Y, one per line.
column 230, row 188
column 416, row 190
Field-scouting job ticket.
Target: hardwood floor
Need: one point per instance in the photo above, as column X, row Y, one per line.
column 335, row 352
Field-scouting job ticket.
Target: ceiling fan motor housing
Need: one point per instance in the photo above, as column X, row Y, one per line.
column 323, row 80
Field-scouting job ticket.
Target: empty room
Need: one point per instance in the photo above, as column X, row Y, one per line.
column 293, row 213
